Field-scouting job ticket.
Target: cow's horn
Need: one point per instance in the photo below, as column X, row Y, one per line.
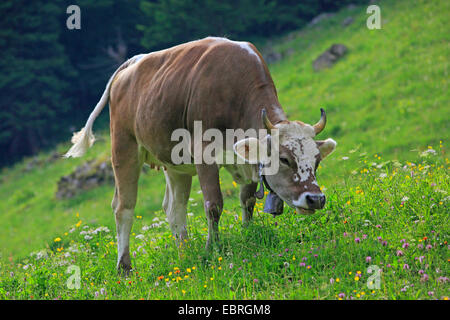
column 318, row 127
column 269, row 126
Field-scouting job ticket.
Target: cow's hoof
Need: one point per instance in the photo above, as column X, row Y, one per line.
column 124, row 269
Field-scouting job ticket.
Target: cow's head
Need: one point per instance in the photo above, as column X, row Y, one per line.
column 299, row 156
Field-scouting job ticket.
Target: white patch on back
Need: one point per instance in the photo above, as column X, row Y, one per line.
column 241, row 44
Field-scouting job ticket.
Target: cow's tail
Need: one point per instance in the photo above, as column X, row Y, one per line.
column 84, row 139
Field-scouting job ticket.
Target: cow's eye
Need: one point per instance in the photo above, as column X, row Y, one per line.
column 284, row 161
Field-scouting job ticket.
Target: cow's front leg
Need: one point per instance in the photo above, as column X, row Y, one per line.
column 208, row 176
column 248, row 200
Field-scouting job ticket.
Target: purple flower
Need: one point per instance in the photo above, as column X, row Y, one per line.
column 341, row 295
column 255, row 280
column 405, row 266
column 430, row 293
column 403, row 289
column 368, row 259
column 378, row 226
column 421, row 258
column 384, row 243
column 304, row 259
column 316, row 255
column 428, row 247
column 424, row 278
column 421, row 272
column 402, row 241
column 405, row 245
column 231, row 266
column 331, row 280
column 357, row 240
column 302, row 264
column 379, row 238
column 345, row 234
column 442, row 279
column 420, row 246
column 399, row 253
column 364, row 236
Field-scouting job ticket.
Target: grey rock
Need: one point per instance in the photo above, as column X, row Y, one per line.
column 328, row 58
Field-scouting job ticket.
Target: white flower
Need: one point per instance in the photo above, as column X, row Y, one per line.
column 140, row 237
column 405, row 198
column 86, row 237
column 345, row 158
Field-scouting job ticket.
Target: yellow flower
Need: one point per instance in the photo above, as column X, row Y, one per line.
column 182, row 291
column 337, row 279
column 78, row 224
column 57, row 239
column 356, row 278
column 220, row 259
column 234, row 184
column 188, row 270
column 350, row 272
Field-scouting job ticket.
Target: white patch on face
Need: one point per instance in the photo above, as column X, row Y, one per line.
column 299, row 140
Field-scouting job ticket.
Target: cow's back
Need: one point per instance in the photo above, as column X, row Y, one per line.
column 209, row 80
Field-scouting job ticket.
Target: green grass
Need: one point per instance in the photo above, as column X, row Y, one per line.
column 386, row 102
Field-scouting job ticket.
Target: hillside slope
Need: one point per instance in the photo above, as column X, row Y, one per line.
column 388, row 96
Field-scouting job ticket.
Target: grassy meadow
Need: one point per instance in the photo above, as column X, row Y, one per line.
column 382, row 235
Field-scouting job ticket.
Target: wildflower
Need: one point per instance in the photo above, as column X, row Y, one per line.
column 368, row 259
column 405, row 245
column 399, row 253
column 420, row 246
column 405, row 266
column 357, row 240
column 337, row 279
column 255, row 280
column 342, row 295
column 57, row 239
column 356, row 278
column 220, row 259
column 428, row 247
column 424, row 278
column 331, row 280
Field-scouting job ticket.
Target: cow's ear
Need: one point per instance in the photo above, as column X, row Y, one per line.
column 252, row 150
column 326, row 147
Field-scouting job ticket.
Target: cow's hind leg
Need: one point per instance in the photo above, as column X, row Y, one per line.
column 178, row 188
column 127, row 164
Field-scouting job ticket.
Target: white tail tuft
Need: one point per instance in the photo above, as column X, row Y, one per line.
column 82, row 140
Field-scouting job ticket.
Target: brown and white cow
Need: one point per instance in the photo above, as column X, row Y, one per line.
column 226, row 85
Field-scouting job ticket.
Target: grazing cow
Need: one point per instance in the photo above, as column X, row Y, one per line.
column 226, row 85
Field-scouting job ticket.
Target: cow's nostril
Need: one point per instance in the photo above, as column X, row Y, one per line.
column 315, row 201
